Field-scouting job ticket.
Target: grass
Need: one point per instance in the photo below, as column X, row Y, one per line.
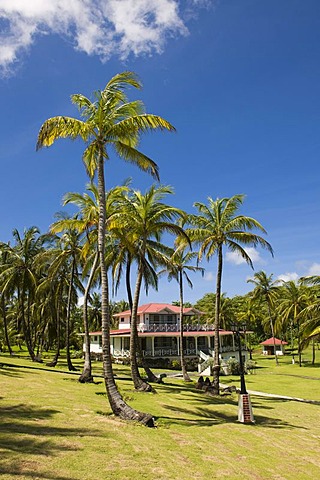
column 52, row 427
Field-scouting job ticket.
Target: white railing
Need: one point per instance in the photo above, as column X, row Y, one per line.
column 174, row 327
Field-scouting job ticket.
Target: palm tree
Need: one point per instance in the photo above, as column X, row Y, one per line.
column 177, row 267
column 216, row 226
column 67, row 256
column 3, row 299
column 20, row 274
column 147, row 219
column 293, row 299
column 87, row 221
column 109, row 120
column 266, row 290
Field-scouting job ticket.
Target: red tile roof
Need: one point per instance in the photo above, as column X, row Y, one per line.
column 158, row 307
column 276, row 341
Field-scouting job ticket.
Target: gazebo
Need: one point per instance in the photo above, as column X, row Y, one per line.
column 268, row 346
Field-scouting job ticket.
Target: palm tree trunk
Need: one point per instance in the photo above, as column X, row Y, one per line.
column 272, row 332
column 54, row 361
column 86, row 376
column 185, row 375
column 71, row 367
column 26, row 331
column 5, row 324
column 139, row 384
column 150, row 375
column 313, row 351
column 118, row 405
column 216, row 367
column 299, row 345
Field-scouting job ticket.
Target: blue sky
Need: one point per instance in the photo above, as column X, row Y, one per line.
column 240, row 81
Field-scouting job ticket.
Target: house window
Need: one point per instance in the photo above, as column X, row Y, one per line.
column 122, row 319
column 126, row 343
column 100, row 340
column 95, row 338
column 165, row 342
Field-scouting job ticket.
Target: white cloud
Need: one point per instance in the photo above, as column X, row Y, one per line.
column 234, row 257
column 208, row 276
column 96, row 27
column 314, row 269
column 286, row 277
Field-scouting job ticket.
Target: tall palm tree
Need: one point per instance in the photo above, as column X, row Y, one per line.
column 110, row 120
column 4, row 296
column 266, row 289
column 177, row 268
column 21, row 275
column 147, row 218
column 218, row 225
column 293, row 299
column 67, row 256
column 87, row 221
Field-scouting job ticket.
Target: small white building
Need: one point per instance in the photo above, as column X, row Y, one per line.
column 268, row 346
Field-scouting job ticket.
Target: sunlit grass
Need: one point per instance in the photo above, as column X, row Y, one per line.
column 53, row 427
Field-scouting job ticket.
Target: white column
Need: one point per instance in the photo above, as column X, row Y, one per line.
column 152, row 345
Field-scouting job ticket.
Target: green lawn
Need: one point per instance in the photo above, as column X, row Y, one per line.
column 52, row 427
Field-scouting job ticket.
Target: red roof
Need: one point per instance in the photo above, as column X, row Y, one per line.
column 276, row 341
column 158, row 307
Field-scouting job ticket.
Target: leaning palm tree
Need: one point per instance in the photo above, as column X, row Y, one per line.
column 177, row 268
column 266, row 289
column 110, row 120
column 217, row 226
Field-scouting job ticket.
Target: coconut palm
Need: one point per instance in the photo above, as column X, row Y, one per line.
column 21, row 275
column 4, row 296
column 147, row 218
column 293, row 298
column 267, row 290
column 177, row 268
column 110, row 120
column 217, row 226
column 67, row 256
column 87, row 221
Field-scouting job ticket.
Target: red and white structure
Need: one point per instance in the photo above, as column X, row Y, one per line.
column 268, row 346
column 159, row 332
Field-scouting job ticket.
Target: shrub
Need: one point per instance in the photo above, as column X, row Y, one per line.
column 233, row 366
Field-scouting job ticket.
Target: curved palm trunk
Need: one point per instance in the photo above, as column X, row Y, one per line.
column 118, row 405
column 216, row 367
column 86, row 376
column 185, row 375
column 272, row 331
column 71, row 367
column 5, row 324
column 139, row 384
column 150, row 375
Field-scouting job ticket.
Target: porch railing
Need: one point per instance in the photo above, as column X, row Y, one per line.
column 175, row 327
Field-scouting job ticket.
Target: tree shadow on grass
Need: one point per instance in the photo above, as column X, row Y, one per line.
column 6, row 371
column 205, row 414
column 24, row 431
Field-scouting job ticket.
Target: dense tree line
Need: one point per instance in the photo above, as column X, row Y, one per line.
column 117, row 235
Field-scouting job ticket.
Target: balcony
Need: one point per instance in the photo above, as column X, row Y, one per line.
column 174, row 327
